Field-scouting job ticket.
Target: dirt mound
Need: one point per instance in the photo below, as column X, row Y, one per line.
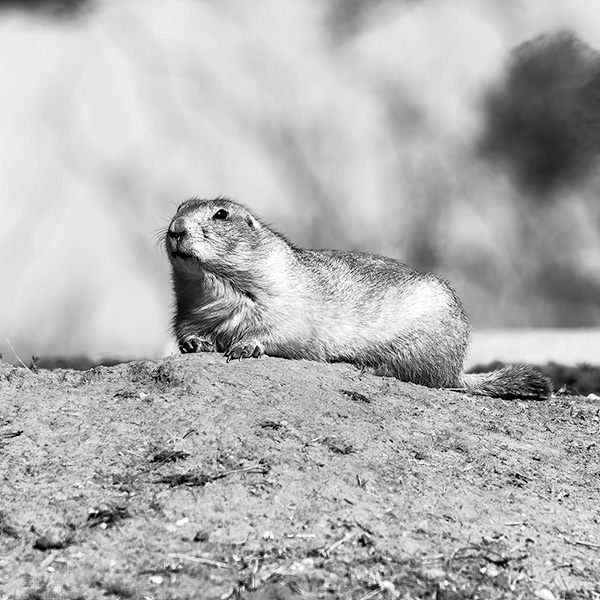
column 190, row 477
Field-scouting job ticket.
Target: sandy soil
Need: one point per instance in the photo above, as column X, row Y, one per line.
column 193, row 478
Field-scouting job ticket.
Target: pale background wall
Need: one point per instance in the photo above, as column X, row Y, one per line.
column 346, row 124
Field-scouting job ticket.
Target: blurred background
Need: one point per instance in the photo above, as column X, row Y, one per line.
column 459, row 136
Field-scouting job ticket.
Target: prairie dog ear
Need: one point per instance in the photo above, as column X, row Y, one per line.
column 252, row 222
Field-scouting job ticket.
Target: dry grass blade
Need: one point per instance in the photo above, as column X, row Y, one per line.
column 15, row 353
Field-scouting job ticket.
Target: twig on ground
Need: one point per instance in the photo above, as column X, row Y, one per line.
column 372, row 594
column 480, row 552
column 314, row 440
column 11, row 434
column 580, row 543
column 261, row 469
column 327, row 551
column 192, row 479
column 199, row 559
column 167, row 456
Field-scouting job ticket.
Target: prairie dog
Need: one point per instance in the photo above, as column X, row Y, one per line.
column 243, row 289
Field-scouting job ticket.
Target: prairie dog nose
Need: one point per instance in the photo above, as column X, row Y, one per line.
column 177, row 228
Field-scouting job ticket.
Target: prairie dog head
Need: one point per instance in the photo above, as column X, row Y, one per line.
column 218, row 235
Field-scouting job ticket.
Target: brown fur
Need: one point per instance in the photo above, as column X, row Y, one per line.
column 243, row 289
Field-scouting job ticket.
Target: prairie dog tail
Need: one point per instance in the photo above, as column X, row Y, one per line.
column 510, row 382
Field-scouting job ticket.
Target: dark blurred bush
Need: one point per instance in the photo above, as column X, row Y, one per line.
column 55, row 8
column 78, row 363
column 543, row 120
column 581, row 379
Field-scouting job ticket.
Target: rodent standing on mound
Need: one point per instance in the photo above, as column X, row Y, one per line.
column 243, row 289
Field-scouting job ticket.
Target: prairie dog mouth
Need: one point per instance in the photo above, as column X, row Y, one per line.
column 179, row 247
column 182, row 252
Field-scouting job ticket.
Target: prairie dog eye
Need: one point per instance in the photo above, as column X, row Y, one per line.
column 221, row 215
